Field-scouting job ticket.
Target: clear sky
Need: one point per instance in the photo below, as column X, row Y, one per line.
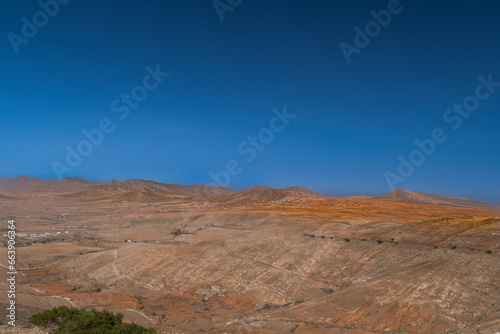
column 351, row 120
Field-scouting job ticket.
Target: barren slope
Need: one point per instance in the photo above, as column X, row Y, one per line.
column 257, row 261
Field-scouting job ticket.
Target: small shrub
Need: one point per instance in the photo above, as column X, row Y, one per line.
column 454, row 247
column 396, row 243
column 488, row 251
column 270, row 306
column 328, row 291
column 347, row 239
column 435, row 247
column 380, row 242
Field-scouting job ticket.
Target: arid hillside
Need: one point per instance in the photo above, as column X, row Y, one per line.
column 190, row 259
column 419, row 197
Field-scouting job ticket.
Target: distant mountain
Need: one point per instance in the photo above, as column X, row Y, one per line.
column 143, row 190
column 260, row 193
column 146, row 188
column 302, row 190
column 72, row 180
column 419, row 197
column 139, row 189
column 20, row 181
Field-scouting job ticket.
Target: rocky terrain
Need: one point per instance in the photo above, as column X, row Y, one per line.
column 190, row 259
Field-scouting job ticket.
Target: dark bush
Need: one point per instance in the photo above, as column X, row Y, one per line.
column 270, row 306
column 64, row 320
column 328, row 290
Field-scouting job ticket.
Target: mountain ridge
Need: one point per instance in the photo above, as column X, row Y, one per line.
column 82, row 188
column 420, row 197
column 149, row 189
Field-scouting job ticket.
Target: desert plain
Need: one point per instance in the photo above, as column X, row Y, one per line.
column 192, row 259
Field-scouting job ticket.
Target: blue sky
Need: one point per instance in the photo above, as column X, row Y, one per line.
column 353, row 120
